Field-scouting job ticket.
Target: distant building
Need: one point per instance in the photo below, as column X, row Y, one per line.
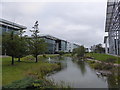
column 56, row 45
column 8, row 26
column 112, row 41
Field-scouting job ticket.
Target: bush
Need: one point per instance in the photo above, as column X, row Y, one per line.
column 23, row 83
column 61, row 53
column 44, row 56
column 101, row 66
column 110, row 60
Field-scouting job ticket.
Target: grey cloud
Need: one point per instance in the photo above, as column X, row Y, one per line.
column 82, row 23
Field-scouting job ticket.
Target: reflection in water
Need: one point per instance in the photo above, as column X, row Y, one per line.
column 82, row 67
column 79, row 75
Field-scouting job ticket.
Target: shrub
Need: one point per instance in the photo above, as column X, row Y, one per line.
column 61, row 53
column 23, row 83
column 110, row 60
column 44, row 56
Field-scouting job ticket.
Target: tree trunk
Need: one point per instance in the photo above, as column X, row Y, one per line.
column 19, row 59
column 12, row 60
column 36, row 59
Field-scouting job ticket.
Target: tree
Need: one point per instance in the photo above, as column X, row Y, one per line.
column 10, row 43
column 22, row 46
column 98, row 48
column 79, row 52
column 74, row 51
column 36, row 44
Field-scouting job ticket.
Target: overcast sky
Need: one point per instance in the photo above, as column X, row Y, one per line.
column 78, row 22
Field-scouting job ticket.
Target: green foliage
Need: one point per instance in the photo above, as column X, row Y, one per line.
column 23, row 83
column 61, row 53
column 24, row 68
column 22, row 47
column 80, row 51
column 36, row 44
column 110, row 60
column 74, row 51
column 44, row 56
column 99, row 49
column 14, row 45
column 101, row 66
column 10, row 43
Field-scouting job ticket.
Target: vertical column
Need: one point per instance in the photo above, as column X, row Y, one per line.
column 119, row 28
column 106, row 47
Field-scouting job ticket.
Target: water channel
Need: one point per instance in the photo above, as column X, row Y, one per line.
column 79, row 74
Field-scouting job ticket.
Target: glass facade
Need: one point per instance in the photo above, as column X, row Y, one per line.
column 8, row 29
column 55, row 45
column 63, row 46
column 50, row 45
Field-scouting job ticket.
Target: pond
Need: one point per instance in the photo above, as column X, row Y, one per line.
column 78, row 74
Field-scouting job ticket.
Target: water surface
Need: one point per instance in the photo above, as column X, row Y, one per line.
column 78, row 74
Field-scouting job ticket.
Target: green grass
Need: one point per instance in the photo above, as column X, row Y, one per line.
column 103, row 57
column 24, row 68
column 69, row 54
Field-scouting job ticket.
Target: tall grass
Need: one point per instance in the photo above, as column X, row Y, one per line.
column 103, row 57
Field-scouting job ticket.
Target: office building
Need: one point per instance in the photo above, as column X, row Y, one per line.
column 8, row 26
column 55, row 45
column 112, row 27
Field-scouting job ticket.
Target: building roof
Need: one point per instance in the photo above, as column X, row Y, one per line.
column 10, row 24
column 51, row 37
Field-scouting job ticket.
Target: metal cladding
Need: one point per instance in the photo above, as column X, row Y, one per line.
column 113, row 26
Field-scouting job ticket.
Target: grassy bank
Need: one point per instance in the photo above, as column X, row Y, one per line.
column 103, row 57
column 27, row 67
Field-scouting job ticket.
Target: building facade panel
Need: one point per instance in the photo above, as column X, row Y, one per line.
column 113, row 26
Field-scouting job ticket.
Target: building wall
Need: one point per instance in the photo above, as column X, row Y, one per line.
column 51, row 46
column 63, row 46
column 68, row 47
column 113, row 26
column 8, row 26
column 8, row 29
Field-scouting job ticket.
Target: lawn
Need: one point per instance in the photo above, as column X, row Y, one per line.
column 24, row 68
column 103, row 57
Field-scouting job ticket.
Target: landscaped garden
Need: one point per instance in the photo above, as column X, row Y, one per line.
column 25, row 69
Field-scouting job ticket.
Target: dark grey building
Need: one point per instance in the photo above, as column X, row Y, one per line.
column 112, row 27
